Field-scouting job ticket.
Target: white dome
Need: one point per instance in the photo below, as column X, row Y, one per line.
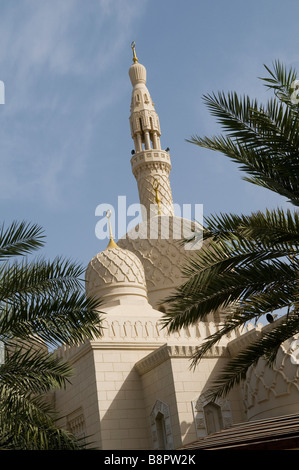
column 273, row 391
column 137, row 73
column 115, row 271
column 162, row 253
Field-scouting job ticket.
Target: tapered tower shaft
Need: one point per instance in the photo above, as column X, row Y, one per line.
column 150, row 164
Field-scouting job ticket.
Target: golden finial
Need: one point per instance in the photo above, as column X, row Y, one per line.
column 134, row 53
column 112, row 243
column 156, row 185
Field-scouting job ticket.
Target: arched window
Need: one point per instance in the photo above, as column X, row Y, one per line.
column 161, row 427
column 210, row 417
column 161, row 433
column 213, row 417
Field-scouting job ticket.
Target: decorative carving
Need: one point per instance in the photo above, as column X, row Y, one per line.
column 114, row 265
column 147, row 167
column 76, row 423
column 162, row 258
column 266, row 386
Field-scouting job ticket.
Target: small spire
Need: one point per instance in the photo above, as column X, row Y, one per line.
column 134, row 53
column 111, row 243
column 156, row 185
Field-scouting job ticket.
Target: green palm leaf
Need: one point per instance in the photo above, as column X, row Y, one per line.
column 248, row 264
column 19, row 239
column 42, row 305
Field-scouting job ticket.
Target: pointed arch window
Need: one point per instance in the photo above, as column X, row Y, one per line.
column 210, row 417
column 161, row 427
column 213, row 417
column 161, row 432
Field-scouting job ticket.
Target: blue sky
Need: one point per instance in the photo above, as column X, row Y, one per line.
column 65, row 143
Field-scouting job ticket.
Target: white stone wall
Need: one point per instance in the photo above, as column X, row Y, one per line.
column 120, row 400
column 81, row 393
column 167, row 378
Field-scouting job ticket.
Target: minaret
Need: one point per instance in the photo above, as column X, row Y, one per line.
column 150, row 165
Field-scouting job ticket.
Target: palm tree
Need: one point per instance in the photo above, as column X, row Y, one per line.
column 248, row 265
column 42, row 305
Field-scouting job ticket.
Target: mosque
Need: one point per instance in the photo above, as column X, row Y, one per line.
column 133, row 387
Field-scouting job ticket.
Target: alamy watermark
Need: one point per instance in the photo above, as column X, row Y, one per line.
column 295, row 93
column 2, row 92
column 132, row 221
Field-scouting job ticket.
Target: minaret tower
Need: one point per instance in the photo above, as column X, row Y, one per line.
column 150, row 165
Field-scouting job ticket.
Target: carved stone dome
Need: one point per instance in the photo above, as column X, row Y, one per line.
column 269, row 390
column 113, row 272
column 162, row 257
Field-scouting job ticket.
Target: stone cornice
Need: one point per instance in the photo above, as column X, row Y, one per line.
column 151, row 159
column 252, row 335
column 167, row 351
column 73, row 353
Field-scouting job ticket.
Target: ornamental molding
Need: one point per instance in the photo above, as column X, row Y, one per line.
column 161, row 355
column 167, row 351
column 149, row 166
column 268, row 386
column 149, row 120
column 253, row 333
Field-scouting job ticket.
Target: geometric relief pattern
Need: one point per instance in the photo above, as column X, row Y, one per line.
column 161, row 258
column 155, row 166
column 272, row 384
column 115, row 265
column 201, row 425
column 76, row 424
column 148, row 195
column 160, row 418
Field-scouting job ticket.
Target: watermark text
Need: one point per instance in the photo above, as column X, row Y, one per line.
column 184, row 223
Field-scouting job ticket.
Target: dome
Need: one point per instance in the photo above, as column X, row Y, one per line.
column 269, row 390
column 113, row 272
column 137, row 73
column 162, row 253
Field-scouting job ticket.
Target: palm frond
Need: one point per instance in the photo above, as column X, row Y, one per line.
column 41, row 277
column 30, row 369
column 244, row 257
column 263, row 140
column 19, row 239
column 71, row 318
column 265, row 348
column 248, row 265
column 42, row 304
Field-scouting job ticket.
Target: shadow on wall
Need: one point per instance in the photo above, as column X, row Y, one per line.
column 140, row 411
column 124, row 424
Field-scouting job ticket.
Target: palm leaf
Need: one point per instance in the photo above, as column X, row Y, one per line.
column 266, row 347
column 248, row 265
column 19, row 238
